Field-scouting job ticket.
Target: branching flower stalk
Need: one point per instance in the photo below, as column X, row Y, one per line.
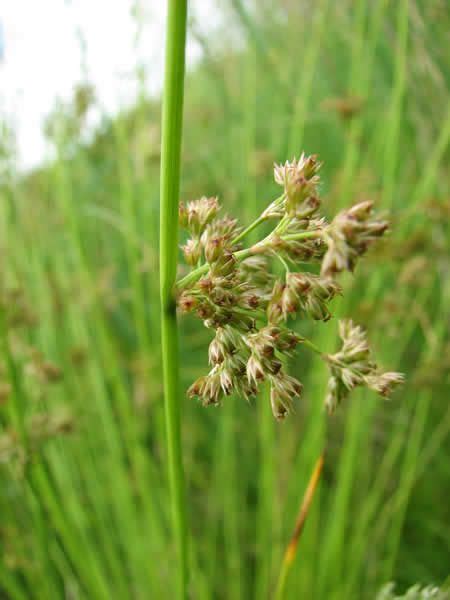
column 233, row 290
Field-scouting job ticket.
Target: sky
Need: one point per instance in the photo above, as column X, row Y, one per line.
column 42, row 57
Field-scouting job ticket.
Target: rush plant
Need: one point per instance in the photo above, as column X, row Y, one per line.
column 172, row 119
column 248, row 306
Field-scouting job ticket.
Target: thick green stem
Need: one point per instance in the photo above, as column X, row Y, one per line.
column 172, row 119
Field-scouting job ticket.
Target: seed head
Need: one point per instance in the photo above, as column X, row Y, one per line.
column 216, row 352
column 197, row 214
column 353, row 366
column 247, row 306
column 226, row 381
column 224, row 265
column 349, row 236
column 255, row 370
column 385, row 383
column 225, row 228
column 214, row 248
column 308, row 293
column 192, row 251
column 284, row 389
column 187, row 302
column 275, row 308
column 299, row 179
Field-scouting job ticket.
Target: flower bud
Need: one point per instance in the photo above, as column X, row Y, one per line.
column 279, row 408
column 255, row 370
column 213, row 249
column 212, row 391
column 349, row 236
column 228, row 338
column 289, row 301
column 352, row 366
column 334, row 395
column 384, row 383
column 197, row 388
column 226, row 382
column 216, row 352
column 192, row 251
column 182, row 215
column 299, row 180
column 287, row 341
column 187, row 302
column 200, row 213
column 224, row 265
column 274, row 309
column 284, row 389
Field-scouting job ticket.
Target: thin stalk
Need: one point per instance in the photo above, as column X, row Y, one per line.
column 250, row 228
column 199, row 271
column 291, row 549
column 243, row 254
column 172, row 121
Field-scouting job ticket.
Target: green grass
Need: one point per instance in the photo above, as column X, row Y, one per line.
column 88, row 513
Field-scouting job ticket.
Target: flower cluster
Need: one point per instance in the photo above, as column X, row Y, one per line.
column 353, row 366
column 349, row 236
column 232, row 289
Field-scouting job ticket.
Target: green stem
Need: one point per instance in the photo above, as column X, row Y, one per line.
column 172, row 121
column 263, row 217
column 199, row 271
column 311, row 346
column 248, row 229
column 194, row 275
column 303, row 235
column 283, row 262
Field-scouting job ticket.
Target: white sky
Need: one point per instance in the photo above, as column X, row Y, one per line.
column 42, row 57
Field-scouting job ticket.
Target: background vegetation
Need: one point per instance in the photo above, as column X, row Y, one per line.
column 84, row 498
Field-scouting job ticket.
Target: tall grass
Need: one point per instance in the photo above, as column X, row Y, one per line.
column 172, row 120
column 86, row 512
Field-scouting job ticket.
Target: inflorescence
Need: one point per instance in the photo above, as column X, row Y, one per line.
column 233, row 291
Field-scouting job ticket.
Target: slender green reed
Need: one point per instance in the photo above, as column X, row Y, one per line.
column 172, row 120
